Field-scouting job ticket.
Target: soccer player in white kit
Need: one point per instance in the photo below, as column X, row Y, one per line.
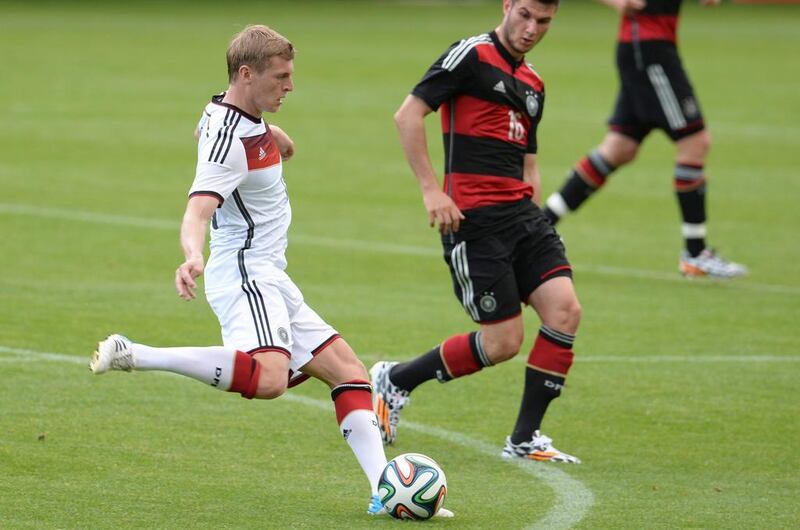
column 272, row 339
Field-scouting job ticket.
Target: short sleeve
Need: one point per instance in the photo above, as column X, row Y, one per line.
column 449, row 75
column 533, row 145
column 220, row 168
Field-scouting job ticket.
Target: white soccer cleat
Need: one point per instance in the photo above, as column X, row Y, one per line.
column 709, row 264
column 540, row 448
column 387, row 400
column 113, row 353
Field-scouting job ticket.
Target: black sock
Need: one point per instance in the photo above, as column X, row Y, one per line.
column 540, row 389
column 411, row 374
column 589, row 174
column 690, row 189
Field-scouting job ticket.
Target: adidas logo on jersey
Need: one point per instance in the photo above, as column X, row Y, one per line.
column 261, row 153
column 500, row 87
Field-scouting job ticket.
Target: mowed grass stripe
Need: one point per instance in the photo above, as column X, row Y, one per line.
column 362, row 246
column 26, row 355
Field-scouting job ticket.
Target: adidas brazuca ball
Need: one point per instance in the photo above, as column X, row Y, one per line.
column 412, row 486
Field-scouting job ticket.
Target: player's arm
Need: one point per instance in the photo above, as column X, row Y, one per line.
column 410, row 121
column 531, row 175
column 626, row 7
column 284, row 142
column 710, row 3
column 198, row 213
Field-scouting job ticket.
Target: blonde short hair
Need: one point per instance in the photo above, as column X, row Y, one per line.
column 254, row 46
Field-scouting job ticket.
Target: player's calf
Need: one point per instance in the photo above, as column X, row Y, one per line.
column 219, row 367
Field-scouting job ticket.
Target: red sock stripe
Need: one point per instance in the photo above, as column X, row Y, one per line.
column 242, row 370
column 252, row 387
column 588, row 171
column 550, row 357
column 688, row 185
column 357, row 398
column 457, row 356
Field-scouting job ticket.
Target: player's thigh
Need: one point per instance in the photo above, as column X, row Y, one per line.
column 483, row 277
column 336, row 364
column 311, row 335
column 540, row 258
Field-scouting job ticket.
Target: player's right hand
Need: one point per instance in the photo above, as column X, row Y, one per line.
column 185, row 275
column 442, row 210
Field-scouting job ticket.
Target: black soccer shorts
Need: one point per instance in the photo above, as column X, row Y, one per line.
column 492, row 275
column 655, row 93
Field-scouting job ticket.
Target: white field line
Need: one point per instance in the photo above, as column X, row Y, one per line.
column 572, row 498
column 365, row 246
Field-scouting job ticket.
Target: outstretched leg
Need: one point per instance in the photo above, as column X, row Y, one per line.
column 590, row 174
column 257, row 374
column 456, row 357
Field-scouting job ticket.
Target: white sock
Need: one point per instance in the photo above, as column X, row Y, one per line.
column 360, row 430
column 212, row 365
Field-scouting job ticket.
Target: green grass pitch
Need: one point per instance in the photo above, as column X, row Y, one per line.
column 684, row 398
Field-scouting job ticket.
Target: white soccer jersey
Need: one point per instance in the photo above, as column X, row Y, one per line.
column 239, row 163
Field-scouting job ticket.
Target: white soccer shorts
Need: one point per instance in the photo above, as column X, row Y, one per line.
column 269, row 312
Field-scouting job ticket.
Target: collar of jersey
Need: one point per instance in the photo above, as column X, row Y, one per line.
column 217, row 100
column 504, row 53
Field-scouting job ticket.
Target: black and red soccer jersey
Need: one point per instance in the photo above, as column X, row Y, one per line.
column 658, row 21
column 490, row 105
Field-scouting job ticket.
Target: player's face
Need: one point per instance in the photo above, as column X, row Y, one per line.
column 269, row 87
column 525, row 24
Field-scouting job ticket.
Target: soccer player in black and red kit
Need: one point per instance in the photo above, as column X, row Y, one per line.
column 655, row 93
column 501, row 250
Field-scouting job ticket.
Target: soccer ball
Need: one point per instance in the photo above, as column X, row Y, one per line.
column 412, row 486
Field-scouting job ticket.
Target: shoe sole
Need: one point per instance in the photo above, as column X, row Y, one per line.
column 541, row 456
column 382, row 413
column 379, row 405
column 691, row 271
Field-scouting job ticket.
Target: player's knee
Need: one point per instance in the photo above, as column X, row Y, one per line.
column 626, row 154
column 503, row 347
column 565, row 317
column 694, row 149
column 618, row 150
column 705, row 143
column 271, row 387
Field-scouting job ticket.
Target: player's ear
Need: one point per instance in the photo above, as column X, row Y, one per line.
column 245, row 73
